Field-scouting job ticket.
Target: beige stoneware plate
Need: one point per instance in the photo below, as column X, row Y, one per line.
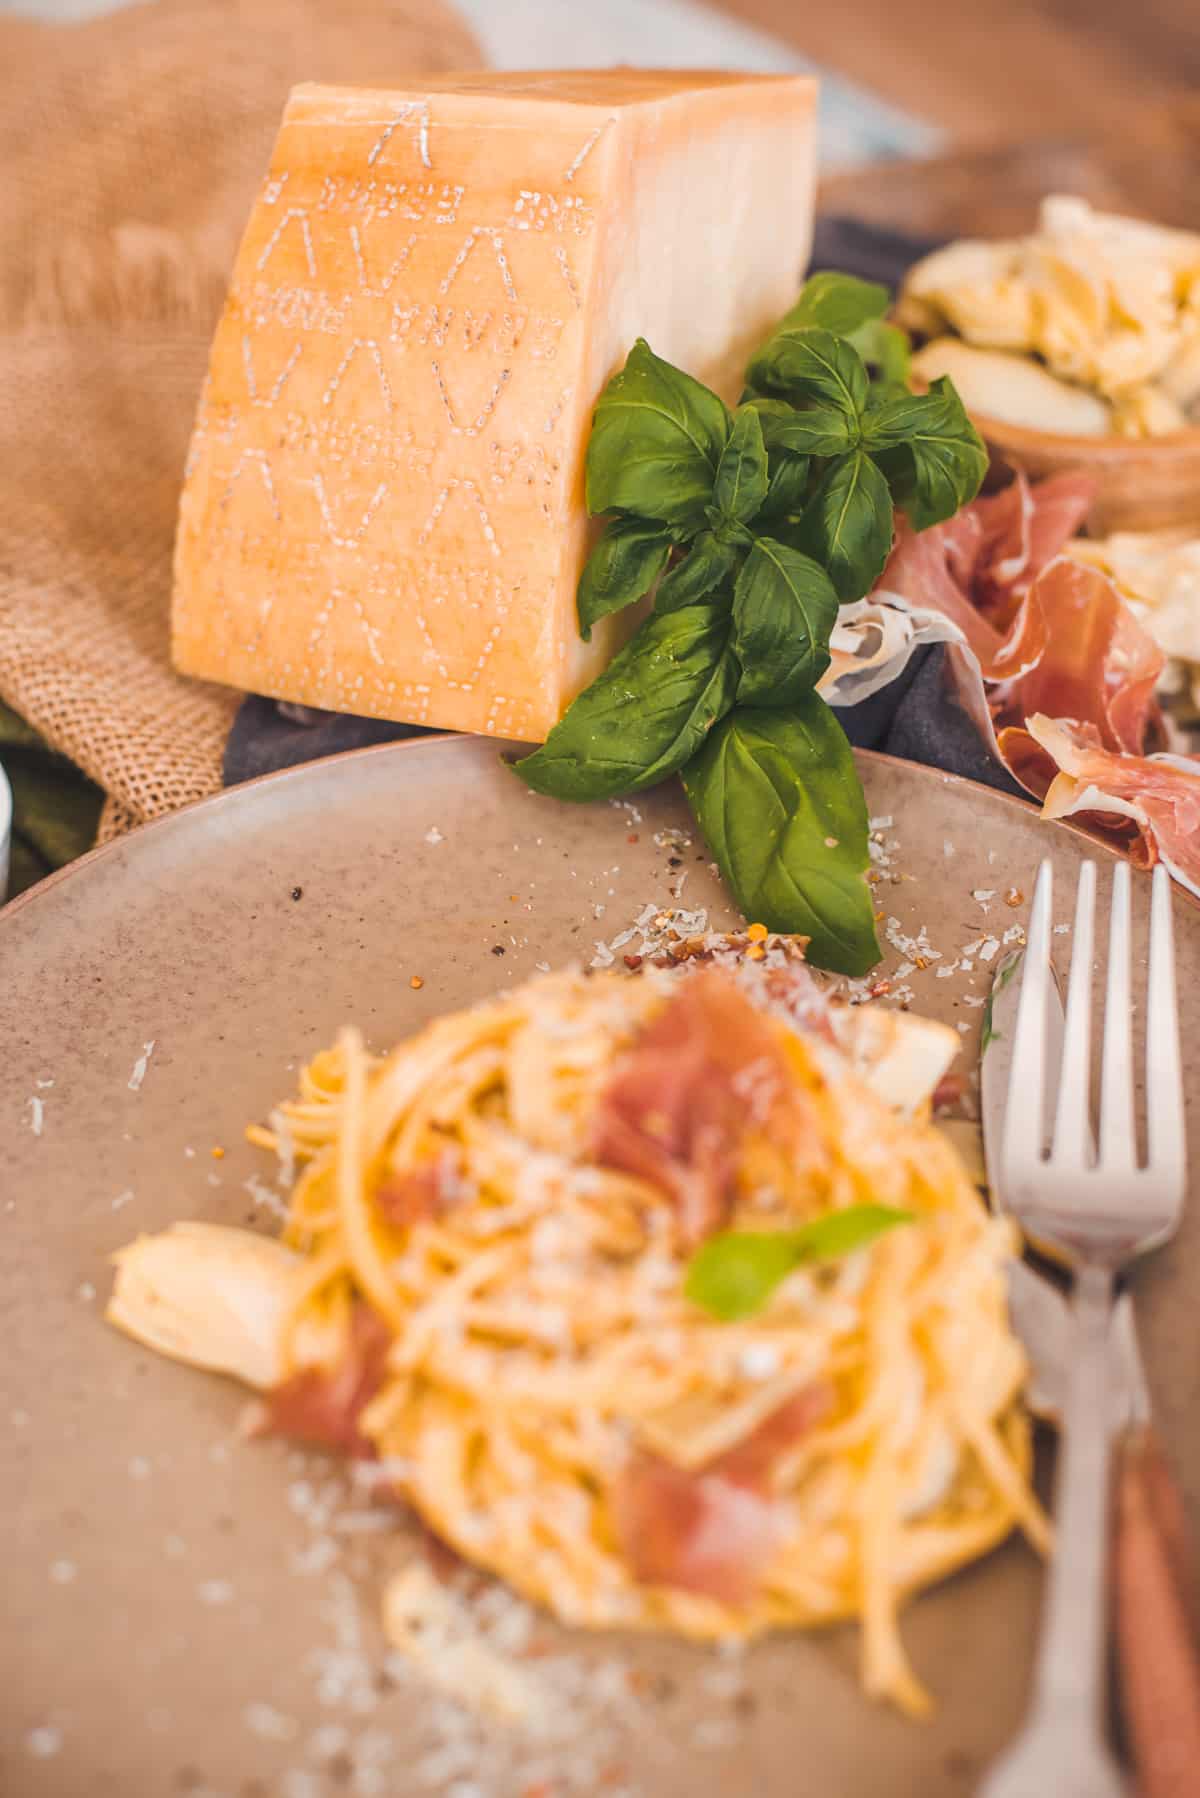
column 186, row 1613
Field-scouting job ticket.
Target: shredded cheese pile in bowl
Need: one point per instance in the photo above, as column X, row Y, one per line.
column 1090, row 326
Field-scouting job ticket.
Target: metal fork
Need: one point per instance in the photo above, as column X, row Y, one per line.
column 1100, row 1208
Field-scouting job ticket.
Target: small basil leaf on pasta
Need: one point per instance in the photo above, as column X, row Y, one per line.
column 657, row 439
column 622, row 568
column 734, row 1275
column 647, row 714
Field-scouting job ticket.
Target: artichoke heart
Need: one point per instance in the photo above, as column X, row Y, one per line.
column 210, row 1295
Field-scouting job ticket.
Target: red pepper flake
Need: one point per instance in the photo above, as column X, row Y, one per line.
column 757, row 933
column 1014, row 897
column 632, row 962
column 218, row 1153
column 756, row 952
column 416, row 982
column 633, row 837
column 880, row 988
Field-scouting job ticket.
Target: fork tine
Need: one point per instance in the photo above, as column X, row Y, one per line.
column 1166, row 1153
column 1118, row 1130
column 1024, row 1120
column 1072, row 1124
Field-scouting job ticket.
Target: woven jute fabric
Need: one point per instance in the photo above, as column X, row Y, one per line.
column 131, row 147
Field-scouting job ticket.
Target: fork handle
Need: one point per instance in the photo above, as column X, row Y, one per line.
column 1062, row 1748
column 1070, row 1674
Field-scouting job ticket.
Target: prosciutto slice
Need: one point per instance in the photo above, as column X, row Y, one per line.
column 979, row 568
column 1160, row 793
column 1032, row 632
column 680, row 1100
column 712, row 1530
column 1099, row 668
column 323, row 1406
column 419, row 1194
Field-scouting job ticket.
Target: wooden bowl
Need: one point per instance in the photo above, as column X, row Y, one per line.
column 1144, row 484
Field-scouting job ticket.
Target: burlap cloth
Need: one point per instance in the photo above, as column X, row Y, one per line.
column 130, row 150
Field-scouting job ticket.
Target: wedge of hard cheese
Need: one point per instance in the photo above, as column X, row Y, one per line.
column 383, row 511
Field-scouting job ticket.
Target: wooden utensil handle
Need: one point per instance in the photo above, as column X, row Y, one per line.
column 1156, row 1623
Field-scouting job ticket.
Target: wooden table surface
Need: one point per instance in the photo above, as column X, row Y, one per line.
column 1097, row 97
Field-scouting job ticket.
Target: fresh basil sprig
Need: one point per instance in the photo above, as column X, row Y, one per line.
column 745, row 529
column 733, row 1275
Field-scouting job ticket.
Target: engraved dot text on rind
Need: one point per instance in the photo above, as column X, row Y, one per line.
column 415, row 114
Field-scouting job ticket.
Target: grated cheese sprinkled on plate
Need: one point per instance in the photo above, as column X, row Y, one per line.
column 44, row 1742
column 265, row 1197
column 140, row 1066
column 270, row 1725
column 215, row 1592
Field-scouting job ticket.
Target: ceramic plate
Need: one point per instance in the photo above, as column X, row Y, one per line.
column 190, row 1613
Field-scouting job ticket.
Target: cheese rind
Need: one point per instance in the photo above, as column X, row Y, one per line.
column 383, row 511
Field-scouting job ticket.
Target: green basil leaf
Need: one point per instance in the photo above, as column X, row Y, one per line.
column 787, row 488
column 847, row 524
column 622, row 567
column 733, row 1275
column 885, row 350
column 931, row 453
column 708, row 562
column 779, row 801
column 784, row 608
column 801, row 363
column 656, row 442
column 741, row 483
column 818, row 430
column 838, row 303
column 774, row 416
column 647, row 714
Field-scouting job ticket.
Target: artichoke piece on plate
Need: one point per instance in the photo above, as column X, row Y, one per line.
column 210, row 1295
